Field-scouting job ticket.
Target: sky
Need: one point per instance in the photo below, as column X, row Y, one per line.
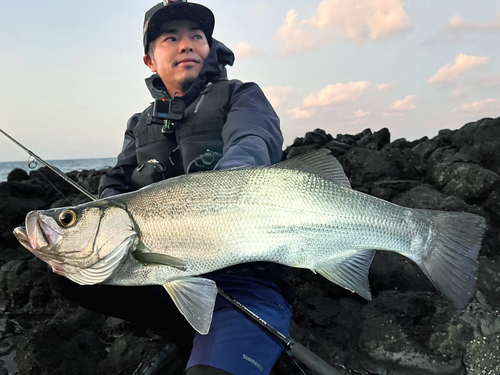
column 71, row 72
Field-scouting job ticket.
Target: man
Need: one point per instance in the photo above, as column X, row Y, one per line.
column 199, row 121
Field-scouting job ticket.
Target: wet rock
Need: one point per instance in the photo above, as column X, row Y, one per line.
column 479, row 140
column 408, row 328
column 469, row 182
column 483, row 356
column 375, row 141
column 415, row 332
column 391, row 271
column 388, row 189
column 18, row 174
column 317, row 137
column 70, row 341
column 364, row 165
column 426, row 197
column 125, row 354
column 492, row 206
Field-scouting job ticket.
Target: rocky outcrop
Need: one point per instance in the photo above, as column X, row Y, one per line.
column 408, row 328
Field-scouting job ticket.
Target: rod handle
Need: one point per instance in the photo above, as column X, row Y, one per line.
column 311, row 360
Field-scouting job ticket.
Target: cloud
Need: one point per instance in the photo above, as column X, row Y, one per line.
column 243, row 50
column 355, row 20
column 278, row 95
column 460, row 91
column 405, row 105
column 360, row 113
column 485, row 105
column 385, row 86
column 330, row 95
column 335, row 94
column 301, row 114
column 458, row 24
column 451, row 72
column 488, row 80
column 295, row 35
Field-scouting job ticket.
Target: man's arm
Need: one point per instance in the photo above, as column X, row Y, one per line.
column 117, row 180
column 251, row 134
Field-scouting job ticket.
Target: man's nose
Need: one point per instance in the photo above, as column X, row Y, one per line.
column 185, row 45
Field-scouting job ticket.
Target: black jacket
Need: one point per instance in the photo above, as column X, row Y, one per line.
column 250, row 135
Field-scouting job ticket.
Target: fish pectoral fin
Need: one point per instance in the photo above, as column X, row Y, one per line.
column 156, row 258
column 195, row 299
column 320, row 162
column 350, row 273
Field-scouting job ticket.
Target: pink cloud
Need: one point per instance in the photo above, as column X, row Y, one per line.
column 457, row 23
column 335, row 94
column 360, row 113
column 405, row 105
column 299, row 113
column 244, row 50
column 451, row 72
column 354, row 20
column 295, row 35
column 278, row 95
column 482, row 106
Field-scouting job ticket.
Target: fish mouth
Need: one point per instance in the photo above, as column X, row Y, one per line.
column 22, row 236
column 38, row 236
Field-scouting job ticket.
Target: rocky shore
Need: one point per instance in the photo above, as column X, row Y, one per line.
column 408, row 328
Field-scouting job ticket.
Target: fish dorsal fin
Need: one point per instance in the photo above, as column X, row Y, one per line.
column 350, row 273
column 320, row 162
column 195, row 299
column 104, row 268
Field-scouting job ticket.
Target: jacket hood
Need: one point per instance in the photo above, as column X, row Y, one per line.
column 214, row 69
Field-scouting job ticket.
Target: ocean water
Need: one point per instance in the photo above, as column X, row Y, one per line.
column 63, row 165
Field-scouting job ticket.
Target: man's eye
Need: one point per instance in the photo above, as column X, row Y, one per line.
column 170, row 38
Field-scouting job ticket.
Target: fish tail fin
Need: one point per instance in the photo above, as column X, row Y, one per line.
column 451, row 263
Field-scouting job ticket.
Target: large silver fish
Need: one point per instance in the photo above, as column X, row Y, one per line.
column 300, row 213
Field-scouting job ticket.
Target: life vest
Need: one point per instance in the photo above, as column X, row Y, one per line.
column 195, row 142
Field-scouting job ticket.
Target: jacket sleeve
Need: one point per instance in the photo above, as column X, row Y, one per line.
column 251, row 134
column 117, row 180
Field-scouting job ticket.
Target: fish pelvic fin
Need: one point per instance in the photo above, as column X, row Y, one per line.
column 451, row 263
column 195, row 299
column 320, row 162
column 350, row 273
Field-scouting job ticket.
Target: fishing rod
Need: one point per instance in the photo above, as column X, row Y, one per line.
column 53, row 169
column 295, row 349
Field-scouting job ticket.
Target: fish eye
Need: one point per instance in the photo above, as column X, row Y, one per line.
column 67, row 218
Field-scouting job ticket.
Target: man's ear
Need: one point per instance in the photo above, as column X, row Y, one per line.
column 149, row 62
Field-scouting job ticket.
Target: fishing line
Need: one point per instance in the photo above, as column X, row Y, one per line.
column 12, row 151
column 292, row 347
column 290, row 354
column 32, row 164
column 55, row 170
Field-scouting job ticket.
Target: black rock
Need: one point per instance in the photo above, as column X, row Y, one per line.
column 408, row 328
column 18, row 174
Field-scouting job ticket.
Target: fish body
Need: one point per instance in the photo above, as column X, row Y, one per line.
column 300, row 213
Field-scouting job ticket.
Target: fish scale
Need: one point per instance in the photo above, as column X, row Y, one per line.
column 236, row 222
column 300, row 213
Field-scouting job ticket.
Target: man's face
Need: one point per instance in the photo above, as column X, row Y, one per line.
column 178, row 54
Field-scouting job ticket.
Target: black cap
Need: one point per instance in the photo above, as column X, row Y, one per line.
column 173, row 10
